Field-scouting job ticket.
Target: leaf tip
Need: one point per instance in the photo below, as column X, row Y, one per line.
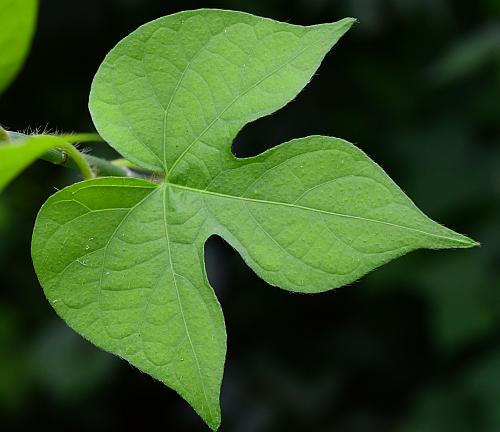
column 213, row 422
column 209, row 411
column 472, row 242
column 214, row 426
column 460, row 241
column 351, row 21
column 346, row 23
column 339, row 28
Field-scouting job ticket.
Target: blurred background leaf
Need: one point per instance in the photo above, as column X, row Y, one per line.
column 17, row 25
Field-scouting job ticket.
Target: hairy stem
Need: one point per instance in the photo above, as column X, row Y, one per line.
column 69, row 157
column 79, row 160
column 101, row 167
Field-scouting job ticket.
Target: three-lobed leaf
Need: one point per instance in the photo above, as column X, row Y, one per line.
column 17, row 24
column 121, row 260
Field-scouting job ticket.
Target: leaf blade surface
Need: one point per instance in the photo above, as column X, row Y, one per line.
column 316, row 213
column 17, row 24
column 190, row 81
column 132, row 281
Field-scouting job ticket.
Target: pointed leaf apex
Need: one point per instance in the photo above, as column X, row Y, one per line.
column 343, row 25
column 467, row 242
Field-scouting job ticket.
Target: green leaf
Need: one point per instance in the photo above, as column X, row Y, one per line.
column 181, row 87
column 121, row 260
column 17, row 24
column 132, row 280
column 17, row 156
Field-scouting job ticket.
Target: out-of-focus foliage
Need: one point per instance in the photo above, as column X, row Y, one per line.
column 469, row 56
column 14, row 157
column 17, row 24
column 390, row 353
column 467, row 404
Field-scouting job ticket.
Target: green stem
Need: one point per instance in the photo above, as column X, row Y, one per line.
column 79, row 160
column 59, row 156
column 90, row 166
column 125, row 163
column 101, row 167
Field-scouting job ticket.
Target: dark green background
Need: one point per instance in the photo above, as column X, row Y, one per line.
column 414, row 346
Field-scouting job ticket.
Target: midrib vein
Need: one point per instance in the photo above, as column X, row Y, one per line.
column 299, row 207
column 167, row 238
